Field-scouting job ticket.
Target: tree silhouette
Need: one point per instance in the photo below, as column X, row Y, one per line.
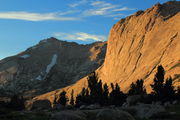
column 163, row 91
column 117, row 97
column 17, row 102
column 112, row 95
column 72, row 98
column 95, row 88
column 169, row 90
column 83, row 98
column 55, row 100
column 100, row 93
column 105, row 95
column 63, row 98
column 157, row 86
column 137, row 88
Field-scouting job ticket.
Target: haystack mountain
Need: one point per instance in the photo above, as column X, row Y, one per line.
column 137, row 44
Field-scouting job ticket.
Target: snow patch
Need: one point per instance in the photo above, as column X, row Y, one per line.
column 53, row 62
column 43, row 75
column 25, row 56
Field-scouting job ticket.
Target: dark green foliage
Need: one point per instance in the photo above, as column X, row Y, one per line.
column 162, row 91
column 112, row 86
column 158, row 85
column 105, row 94
column 96, row 93
column 63, row 98
column 83, row 98
column 137, row 88
column 169, row 91
column 72, row 98
column 96, row 90
column 16, row 102
column 93, row 86
column 117, row 97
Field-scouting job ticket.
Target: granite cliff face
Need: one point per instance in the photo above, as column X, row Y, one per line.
column 136, row 46
column 49, row 65
column 141, row 42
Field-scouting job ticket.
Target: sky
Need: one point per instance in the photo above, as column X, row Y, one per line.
column 23, row 23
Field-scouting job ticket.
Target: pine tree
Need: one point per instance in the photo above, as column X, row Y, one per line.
column 17, row 102
column 83, row 98
column 132, row 89
column 99, row 93
column 157, row 86
column 112, row 86
column 117, row 97
column 63, row 98
column 72, row 98
column 112, row 95
column 95, row 88
column 105, row 94
column 137, row 88
column 169, row 90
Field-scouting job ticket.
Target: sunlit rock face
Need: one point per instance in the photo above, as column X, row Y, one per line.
column 141, row 42
column 136, row 46
column 49, row 65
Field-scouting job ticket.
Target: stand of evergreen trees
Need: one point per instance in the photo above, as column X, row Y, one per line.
column 97, row 93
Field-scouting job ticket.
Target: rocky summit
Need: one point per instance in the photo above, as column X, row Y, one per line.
column 137, row 44
column 141, row 42
column 49, row 65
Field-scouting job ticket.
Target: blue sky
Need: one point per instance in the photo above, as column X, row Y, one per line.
column 23, row 23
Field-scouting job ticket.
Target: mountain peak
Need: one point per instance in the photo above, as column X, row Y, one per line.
column 137, row 44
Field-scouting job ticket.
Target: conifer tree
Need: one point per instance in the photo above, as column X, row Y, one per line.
column 169, row 90
column 137, row 88
column 63, row 98
column 112, row 95
column 17, row 102
column 158, row 85
column 81, row 98
column 105, row 94
column 95, row 88
column 117, row 97
column 72, row 98
column 120, row 97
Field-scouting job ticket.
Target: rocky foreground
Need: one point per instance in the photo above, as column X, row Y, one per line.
column 95, row 112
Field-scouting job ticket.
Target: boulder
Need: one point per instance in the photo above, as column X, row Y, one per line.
column 167, row 104
column 110, row 114
column 134, row 99
column 174, row 102
column 68, row 115
column 147, row 110
column 93, row 106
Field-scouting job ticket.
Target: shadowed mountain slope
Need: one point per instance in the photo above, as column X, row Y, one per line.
column 49, row 65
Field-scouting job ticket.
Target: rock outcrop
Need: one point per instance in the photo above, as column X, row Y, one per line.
column 136, row 46
column 141, row 42
column 49, row 65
